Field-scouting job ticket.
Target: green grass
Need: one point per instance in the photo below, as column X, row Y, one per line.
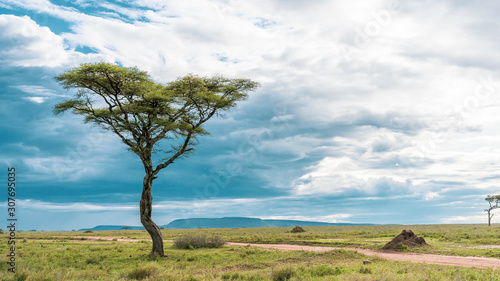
column 60, row 256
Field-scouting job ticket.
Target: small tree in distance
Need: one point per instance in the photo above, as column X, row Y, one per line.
column 493, row 200
column 147, row 116
column 297, row 229
column 126, row 228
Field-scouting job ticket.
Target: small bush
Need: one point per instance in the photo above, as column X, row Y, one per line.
column 92, row 260
column 365, row 270
column 22, row 276
column 339, row 270
column 297, row 229
column 143, row 272
column 88, row 231
column 322, row 270
column 231, row 276
column 189, row 241
column 402, row 271
column 282, row 274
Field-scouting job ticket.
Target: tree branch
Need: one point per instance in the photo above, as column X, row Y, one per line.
column 184, row 148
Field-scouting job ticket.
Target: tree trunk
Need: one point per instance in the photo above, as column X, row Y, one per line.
column 146, row 207
column 489, row 217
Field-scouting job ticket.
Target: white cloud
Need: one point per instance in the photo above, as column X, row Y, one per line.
column 334, row 218
column 38, row 90
column 466, row 219
column 72, row 207
column 36, row 99
column 27, row 148
column 70, row 168
column 88, row 156
column 40, row 94
column 5, row 6
column 27, row 44
column 431, row 195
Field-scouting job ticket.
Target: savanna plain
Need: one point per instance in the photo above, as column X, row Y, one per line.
column 123, row 255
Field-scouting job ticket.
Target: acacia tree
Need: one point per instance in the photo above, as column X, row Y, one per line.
column 493, row 200
column 148, row 116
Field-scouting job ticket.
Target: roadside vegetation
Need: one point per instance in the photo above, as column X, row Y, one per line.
column 190, row 241
column 72, row 256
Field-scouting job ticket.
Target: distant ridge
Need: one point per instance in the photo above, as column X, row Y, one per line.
column 111, row 227
column 226, row 222
column 237, row 222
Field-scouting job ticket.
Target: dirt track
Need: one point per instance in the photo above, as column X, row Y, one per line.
column 97, row 238
column 478, row 262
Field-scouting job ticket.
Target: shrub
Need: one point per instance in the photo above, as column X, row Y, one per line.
column 92, row 260
column 322, row 270
column 282, row 274
column 339, row 270
column 22, row 276
column 365, row 270
column 143, row 272
column 189, row 241
column 231, row 276
column 88, row 231
column 297, row 229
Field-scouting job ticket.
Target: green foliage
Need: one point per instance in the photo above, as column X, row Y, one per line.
column 324, row 270
column 189, row 241
column 403, row 248
column 92, row 260
column 141, row 112
column 282, row 274
column 143, row 272
column 493, row 198
column 365, row 270
column 231, row 276
column 297, row 229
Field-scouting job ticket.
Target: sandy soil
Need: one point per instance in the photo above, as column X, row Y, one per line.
column 95, row 238
column 479, row 262
column 486, row 247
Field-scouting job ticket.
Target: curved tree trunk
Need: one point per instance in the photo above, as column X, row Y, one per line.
column 489, row 217
column 146, row 206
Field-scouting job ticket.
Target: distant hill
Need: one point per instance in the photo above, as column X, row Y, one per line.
column 227, row 222
column 237, row 222
column 111, row 227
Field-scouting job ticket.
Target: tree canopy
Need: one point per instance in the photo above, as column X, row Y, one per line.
column 493, row 200
column 143, row 113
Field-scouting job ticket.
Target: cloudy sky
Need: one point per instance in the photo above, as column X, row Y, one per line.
column 370, row 111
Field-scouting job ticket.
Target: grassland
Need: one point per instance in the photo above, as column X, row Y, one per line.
column 61, row 256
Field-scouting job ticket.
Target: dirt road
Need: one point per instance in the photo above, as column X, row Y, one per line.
column 97, row 238
column 479, row 262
